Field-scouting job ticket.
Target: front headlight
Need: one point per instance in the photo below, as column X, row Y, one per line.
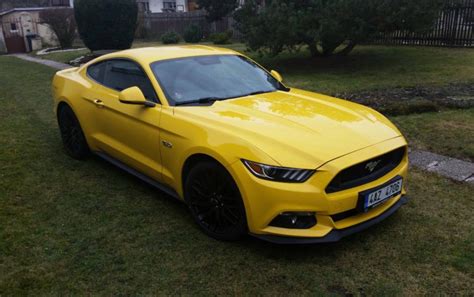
column 281, row 174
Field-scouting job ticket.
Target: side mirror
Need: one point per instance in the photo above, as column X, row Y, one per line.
column 134, row 96
column 276, row 75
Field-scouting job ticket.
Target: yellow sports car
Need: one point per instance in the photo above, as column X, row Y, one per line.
column 246, row 153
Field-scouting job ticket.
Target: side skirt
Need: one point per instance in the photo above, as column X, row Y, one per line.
column 143, row 177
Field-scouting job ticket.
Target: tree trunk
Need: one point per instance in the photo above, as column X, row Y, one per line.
column 313, row 49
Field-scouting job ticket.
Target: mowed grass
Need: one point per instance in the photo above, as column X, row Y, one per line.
column 367, row 67
column 448, row 132
column 71, row 227
column 376, row 67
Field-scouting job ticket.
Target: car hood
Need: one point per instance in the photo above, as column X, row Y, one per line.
column 299, row 129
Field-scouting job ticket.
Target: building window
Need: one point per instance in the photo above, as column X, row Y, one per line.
column 13, row 27
column 144, row 6
column 59, row 2
column 169, row 6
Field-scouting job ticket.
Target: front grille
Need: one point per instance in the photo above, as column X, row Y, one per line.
column 366, row 171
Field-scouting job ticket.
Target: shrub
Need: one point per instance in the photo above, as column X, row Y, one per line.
column 62, row 23
column 170, row 37
column 324, row 26
column 193, row 34
column 221, row 38
column 106, row 24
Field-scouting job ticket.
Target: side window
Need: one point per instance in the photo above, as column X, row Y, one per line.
column 96, row 72
column 123, row 74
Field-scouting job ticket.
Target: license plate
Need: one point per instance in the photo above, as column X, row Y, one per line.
column 375, row 197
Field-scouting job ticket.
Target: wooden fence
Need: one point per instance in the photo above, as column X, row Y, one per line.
column 454, row 28
column 156, row 24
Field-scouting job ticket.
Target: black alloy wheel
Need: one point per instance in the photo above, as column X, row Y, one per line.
column 215, row 201
column 72, row 136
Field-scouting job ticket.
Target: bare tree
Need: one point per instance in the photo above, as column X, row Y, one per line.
column 61, row 21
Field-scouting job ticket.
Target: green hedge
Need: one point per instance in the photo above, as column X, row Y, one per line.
column 106, row 24
column 193, row 34
column 222, row 38
column 170, row 37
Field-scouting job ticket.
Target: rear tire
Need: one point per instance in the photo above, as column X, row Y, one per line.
column 215, row 201
column 74, row 142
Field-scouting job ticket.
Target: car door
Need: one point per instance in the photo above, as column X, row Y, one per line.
column 126, row 132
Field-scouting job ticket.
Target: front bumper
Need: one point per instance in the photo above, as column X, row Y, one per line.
column 264, row 200
column 335, row 235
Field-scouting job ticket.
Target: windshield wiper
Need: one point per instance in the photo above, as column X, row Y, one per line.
column 258, row 93
column 199, row 101
column 213, row 99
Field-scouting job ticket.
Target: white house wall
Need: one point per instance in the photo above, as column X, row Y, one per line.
column 47, row 36
column 157, row 5
column 3, row 48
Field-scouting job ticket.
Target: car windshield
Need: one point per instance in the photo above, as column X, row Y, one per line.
column 209, row 78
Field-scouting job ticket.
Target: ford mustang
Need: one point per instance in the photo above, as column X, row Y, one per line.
column 246, row 153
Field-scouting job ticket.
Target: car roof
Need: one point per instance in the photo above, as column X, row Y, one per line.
column 147, row 55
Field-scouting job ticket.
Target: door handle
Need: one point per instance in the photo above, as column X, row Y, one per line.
column 99, row 103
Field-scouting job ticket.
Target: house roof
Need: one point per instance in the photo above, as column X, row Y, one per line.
column 5, row 12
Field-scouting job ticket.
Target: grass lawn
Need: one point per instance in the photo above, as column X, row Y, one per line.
column 449, row 132
column 367, row 67
column 88, row 228
column 377, row 67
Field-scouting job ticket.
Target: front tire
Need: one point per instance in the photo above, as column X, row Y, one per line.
column 74, row 142
column 215, row 201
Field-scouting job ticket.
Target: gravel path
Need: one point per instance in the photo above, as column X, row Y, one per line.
column 52, row 64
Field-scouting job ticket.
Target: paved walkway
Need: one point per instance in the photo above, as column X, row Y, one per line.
column 52, row 64
column 446, row 166
column 449, row 167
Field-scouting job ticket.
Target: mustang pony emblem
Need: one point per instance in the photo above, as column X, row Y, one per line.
column 371, row 165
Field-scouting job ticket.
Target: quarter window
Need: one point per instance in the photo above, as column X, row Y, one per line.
column 97, row 71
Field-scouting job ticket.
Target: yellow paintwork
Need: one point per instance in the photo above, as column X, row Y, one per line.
column 296, row 129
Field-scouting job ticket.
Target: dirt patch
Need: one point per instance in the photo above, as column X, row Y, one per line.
column 399, row 101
